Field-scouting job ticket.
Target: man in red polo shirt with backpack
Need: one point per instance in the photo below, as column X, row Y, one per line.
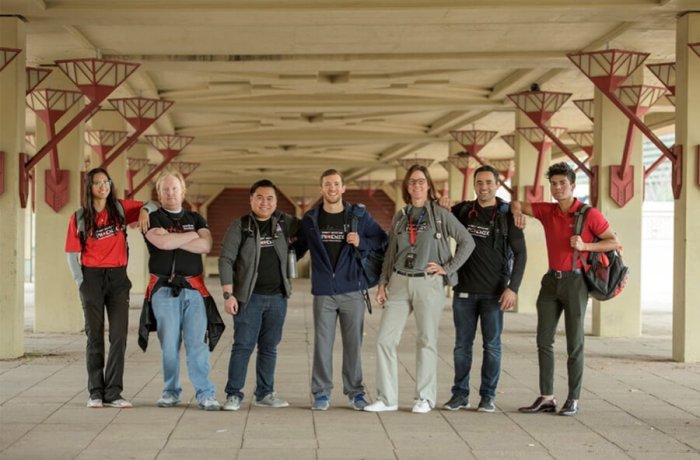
column 563, row 287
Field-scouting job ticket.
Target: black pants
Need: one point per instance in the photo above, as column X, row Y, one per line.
column 105, row 287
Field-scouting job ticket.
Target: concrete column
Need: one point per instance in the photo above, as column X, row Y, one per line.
column 686, row 239
column 537, row 264
column 137, row 269
column 57, row 302
column 110, row 120
column 455, row 177
column 620, row 316
column 12, row 89
column 398, row 193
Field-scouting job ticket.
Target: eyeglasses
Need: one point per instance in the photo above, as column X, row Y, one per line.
column 105, row 182
column 412, row 182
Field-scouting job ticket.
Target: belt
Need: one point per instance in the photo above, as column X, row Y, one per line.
column 560, row 274
column 411, row 275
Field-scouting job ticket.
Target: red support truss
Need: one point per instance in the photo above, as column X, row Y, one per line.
column 35, row 75
column 140, row 113
column 169, row 145
column 666, row 73
column 586, row 106
column 542, row 143
column 608, row 70
column 473, row 141
column 695, row 47
column 50, row 105
column 96, row 79
column 7, row 55
column 133, row 166
column 185, row 168
column 103, row 140
column 509, row 139
column 466, row 164
column 406, row 163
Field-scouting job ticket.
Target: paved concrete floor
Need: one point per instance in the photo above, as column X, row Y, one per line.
column 636, row 403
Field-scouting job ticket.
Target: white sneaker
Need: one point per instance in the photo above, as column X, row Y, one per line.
column 379, row 406
column 422, row 406
column 95, row 403
column 232, row 403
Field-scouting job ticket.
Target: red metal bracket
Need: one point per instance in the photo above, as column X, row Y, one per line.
column 169, row 146
column 7, row 55
column 666, row 73
column 465, row 164
column 103, row 140
column 406, row 163
column 473, row 141
column 96, row 79
column 695, row 47
column 608, row 70
column 584, row 139
column 133, row 167
column 509, row 139
column 140, row 113
column 50, row 105
column 185, row 168
column 587, row 106
column 542, row 143
column 35, row 75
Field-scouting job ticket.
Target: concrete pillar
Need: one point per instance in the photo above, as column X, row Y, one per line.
column 620, row 316
column 12, row 89
column 109, row 119
column 686, row 239
column 137, row 269
column 398, row 192
column 455, row 177
column 537, row 264
column 57, row 302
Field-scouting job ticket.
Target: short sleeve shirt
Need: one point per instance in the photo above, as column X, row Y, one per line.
column 182, row 262
column 106, row 247
column 559, row 228
column 269, row 280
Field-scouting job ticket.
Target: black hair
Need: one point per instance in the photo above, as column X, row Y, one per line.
column 488, row 168
column 562, row 169
column 89, row 213
column 263, row 183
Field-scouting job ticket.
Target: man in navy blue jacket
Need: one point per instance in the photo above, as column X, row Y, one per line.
column 337, row 282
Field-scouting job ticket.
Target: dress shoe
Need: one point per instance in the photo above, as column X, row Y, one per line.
column 569, row 408
column 540, row 405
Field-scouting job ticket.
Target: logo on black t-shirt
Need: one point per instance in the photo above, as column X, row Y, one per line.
column 332, row 236
column 479, row 231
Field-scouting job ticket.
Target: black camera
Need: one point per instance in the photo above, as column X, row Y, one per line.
column 410, row 260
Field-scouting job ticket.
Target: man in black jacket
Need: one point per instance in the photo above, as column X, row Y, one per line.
column 488, row 285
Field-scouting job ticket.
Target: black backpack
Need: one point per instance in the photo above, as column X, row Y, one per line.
column 373, row 259
column 604, row 272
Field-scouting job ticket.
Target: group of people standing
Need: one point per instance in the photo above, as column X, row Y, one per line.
column 484, row 270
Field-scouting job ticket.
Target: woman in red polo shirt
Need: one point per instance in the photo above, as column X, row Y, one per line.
column 97, row 255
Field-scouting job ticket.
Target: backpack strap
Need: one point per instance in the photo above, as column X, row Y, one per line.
column 579, row 221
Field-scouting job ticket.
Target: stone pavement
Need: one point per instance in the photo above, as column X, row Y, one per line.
column 636, row 403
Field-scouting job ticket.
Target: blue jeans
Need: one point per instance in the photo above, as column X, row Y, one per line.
column 467, row 312
column 183, row 318
column 260, row 322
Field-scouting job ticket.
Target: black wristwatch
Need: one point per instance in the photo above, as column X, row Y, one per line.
column 227, row 295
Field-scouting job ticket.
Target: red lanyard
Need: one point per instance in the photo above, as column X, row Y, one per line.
column 413, row 228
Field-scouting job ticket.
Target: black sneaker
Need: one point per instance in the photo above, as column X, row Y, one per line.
column 457, row 402
column 486, row 405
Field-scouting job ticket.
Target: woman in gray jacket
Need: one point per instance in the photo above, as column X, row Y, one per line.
column 417, row 266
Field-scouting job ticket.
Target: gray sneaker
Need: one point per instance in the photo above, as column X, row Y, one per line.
column 232, row 403
column 209, row 403
column 269, row 400
column 321, row 403
column 95, row 403
column 359, row 402
column 168, row 401
column 486, row 405
column 457, row 402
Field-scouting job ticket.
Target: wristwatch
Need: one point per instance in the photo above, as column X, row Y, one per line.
column 227, row 295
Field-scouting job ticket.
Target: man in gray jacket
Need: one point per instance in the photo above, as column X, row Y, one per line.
column 253, row 274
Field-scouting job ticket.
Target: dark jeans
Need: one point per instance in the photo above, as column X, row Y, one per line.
column 260, row 322
column 569, row 295
column 105, row 288
column 467, row 311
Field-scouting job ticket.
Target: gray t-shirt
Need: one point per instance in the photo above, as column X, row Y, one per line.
column 426, row 243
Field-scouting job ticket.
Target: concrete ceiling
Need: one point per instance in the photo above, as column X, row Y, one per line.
column 286, row 88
